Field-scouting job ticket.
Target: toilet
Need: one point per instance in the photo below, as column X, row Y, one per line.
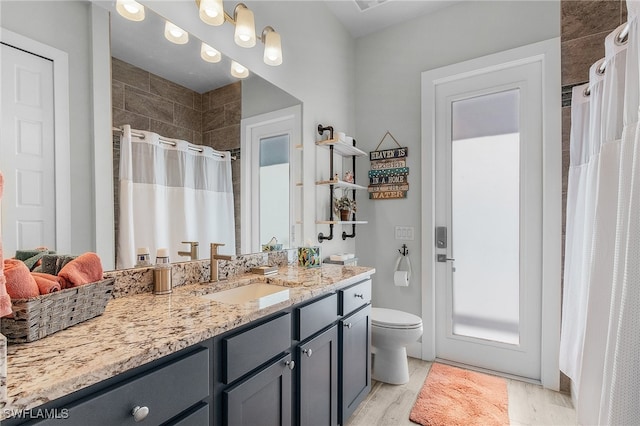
column 391, row 332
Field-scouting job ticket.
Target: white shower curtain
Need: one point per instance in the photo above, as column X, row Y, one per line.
column 600, row 342
column 170, row 193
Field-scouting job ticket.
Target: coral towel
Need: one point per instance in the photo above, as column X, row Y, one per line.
column 84, row 269
column 20, row 283
column 47, row 283
column 5, row 300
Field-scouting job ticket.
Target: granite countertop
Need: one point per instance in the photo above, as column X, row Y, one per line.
column 138, row 329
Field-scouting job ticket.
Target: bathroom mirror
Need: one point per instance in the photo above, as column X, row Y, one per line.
column 223, row 105
column 253, row 96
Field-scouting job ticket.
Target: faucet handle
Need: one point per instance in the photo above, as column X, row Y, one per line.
column 191, row 243
column 216, row 245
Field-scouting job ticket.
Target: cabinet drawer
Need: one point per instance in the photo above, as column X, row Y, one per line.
column 354, row 297
column 249, row 349
column 165, row 391
column 198, row 416
column 315, row 316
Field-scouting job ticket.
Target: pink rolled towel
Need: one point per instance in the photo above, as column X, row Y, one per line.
column 20, row 283
column 84, row 269
column 46, row 283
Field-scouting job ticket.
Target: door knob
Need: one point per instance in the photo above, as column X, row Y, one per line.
column 348, row 324
column 290, row 364
column 308, row 352
column 444, row 258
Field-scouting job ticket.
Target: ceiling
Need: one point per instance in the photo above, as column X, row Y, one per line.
column 363, row 17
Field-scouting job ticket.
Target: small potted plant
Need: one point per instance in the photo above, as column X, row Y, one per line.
column 344, row 206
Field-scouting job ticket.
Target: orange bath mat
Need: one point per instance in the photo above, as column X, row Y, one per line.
column 451, row 396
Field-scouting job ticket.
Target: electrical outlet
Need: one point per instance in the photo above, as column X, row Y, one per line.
column 404, row 233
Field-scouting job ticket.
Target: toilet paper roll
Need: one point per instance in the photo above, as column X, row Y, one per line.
column 401, row 278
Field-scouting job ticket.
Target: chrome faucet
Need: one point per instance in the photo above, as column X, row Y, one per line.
column 214, row 261
column 193, row 254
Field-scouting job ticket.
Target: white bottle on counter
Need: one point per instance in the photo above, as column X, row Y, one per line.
column 162, row 273
column 143, row 258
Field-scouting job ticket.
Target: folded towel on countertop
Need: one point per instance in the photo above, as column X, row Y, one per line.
column 46, row 285
column 32, row 258
column 84, row 269
column 20, row 283
column 53, row 263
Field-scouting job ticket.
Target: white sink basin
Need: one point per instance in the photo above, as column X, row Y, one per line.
column 264, row 294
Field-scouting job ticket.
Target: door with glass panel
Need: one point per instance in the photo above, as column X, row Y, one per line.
column 488, row 216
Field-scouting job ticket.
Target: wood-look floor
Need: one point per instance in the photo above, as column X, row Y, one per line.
column 390, row 405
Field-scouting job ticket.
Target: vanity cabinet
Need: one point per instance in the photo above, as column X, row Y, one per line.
column 174, row 390
column 253, row 380
column 355, row 347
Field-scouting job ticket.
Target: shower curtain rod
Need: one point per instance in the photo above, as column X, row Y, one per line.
column 166, row 141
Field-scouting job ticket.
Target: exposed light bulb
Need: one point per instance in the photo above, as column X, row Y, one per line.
column 209, row 54
column 245, row 33
column 175, row 34
column 272, row 47
column 211, row 12
column 238, row 70
column 130, row 9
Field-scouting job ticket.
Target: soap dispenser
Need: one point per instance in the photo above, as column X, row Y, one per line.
column 162, row 273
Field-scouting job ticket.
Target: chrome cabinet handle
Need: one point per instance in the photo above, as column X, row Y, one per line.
column 139, row 413
column 361, row 296
column 309, row 352
column 291, row 364
column 348, row 325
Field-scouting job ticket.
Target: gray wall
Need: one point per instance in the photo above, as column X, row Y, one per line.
column 389, row 66
column 67, row 27
column 260, row 97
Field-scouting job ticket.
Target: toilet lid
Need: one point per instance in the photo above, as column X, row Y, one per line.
column 394, row 319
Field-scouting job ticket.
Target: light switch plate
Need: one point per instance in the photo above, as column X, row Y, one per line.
column 404, row 233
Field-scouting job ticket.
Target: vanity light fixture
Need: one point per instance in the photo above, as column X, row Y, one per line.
column 245, row 31
column 238, row 70
column 211, row 11
column 175, row 34
column 245, row 34
column 130, row 9
column 209, row 54
column 272, row 46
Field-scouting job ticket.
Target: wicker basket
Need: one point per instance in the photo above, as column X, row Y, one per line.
column 41, row 316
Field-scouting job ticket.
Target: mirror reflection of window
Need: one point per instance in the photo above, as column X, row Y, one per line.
column 274, row 189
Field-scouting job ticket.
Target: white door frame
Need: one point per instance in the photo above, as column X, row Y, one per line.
column 548, row 54
column 248, row 128
column 62, row 151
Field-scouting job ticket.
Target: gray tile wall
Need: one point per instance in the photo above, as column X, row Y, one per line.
column 584, row 25
column 149, row 102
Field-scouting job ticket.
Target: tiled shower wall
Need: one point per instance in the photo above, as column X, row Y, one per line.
column 584, row 26
column 149, row 102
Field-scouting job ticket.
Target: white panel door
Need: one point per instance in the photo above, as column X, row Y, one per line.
column 27, row 151
column 488, row 150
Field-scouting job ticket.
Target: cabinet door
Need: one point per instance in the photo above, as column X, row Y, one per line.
column 263, row 398
column 318, row 379
column 356, row 360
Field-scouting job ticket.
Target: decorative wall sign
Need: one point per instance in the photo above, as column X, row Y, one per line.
column 389, row 172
